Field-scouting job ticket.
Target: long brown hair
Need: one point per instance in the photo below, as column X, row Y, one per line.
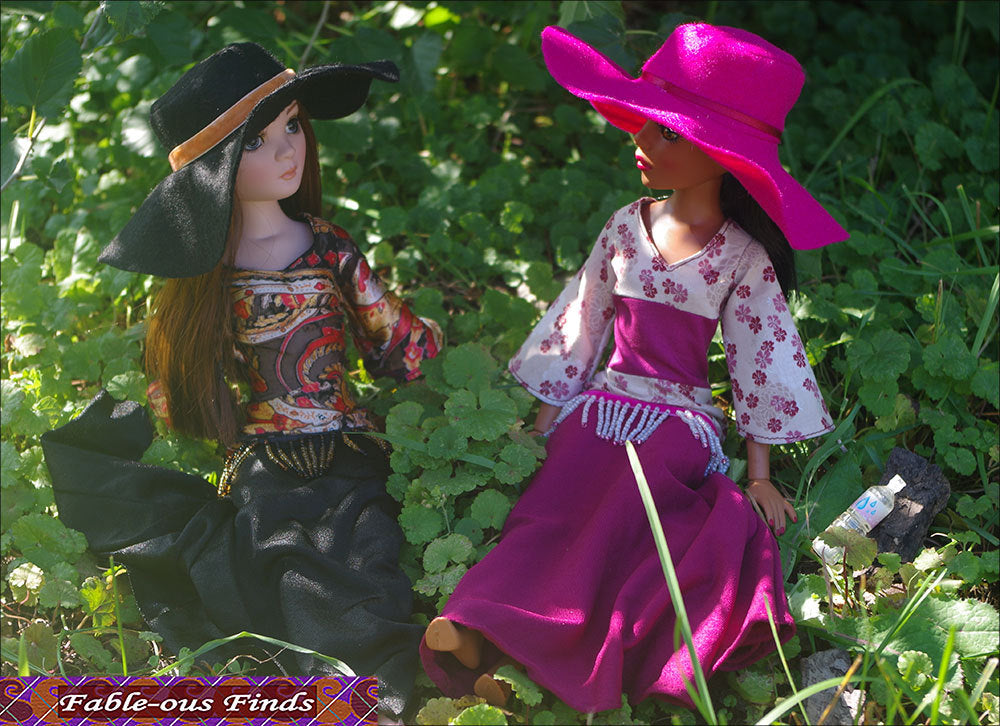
column 189, row 339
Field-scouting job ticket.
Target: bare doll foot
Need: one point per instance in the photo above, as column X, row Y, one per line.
column 494, row 690
column 463, row 643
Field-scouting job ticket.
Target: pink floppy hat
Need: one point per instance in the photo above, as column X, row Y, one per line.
column 726, row 90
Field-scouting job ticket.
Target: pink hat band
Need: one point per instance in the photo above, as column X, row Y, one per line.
column 712, row 105
column 724, row 89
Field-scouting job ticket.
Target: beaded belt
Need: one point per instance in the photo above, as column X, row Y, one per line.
column 308, row 457
column 620, row 420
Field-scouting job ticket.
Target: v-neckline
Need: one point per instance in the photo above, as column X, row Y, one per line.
column 647, row 235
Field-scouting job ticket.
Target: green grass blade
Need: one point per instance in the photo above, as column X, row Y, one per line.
column 23, row 667
column 788, row 704
column 211, row 645
column 962, row 698
column 976, row 234
column 984, row 679
column 925, row 589
column 911, row 198
column 118, row 620
column 707, row 710
column 933, row 272
column 896, row 691
column 781, row 655
column 987, row 319
column 942, row 675
column 884, row 228
column 825, row 451
column 857, row 116
column 971, row 221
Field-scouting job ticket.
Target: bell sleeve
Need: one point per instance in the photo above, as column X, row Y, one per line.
column 775, row 396
column 392, row 339
column 558, row 359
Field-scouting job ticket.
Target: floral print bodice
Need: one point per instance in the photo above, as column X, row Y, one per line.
column 290, row 332
column 663, row 317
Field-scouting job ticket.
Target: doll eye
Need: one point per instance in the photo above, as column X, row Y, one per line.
column 254, row 144
column 293, row 126
column 669, row 134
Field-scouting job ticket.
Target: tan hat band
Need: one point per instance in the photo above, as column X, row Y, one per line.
column 225, row 123
column 711, row 105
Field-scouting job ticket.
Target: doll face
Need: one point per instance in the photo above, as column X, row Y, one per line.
column 666, row 160
column 272, row 163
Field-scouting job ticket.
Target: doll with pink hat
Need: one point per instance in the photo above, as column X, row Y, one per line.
column 574, row 592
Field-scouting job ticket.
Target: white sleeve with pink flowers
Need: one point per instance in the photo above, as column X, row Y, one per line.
column 775, row 396
column 558, row 359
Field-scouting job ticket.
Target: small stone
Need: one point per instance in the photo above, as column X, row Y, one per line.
column 821, row 666
column 926, row 493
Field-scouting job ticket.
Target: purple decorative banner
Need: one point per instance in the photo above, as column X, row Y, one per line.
column 175, row 701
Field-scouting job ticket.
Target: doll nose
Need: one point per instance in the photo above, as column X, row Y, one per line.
column 284, row 149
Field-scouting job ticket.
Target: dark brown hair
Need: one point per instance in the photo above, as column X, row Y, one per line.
column 189, row 339
column 738, row 205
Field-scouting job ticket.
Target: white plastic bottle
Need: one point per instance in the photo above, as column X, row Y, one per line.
column 868, row 510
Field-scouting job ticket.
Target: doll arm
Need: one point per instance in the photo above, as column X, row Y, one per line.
column 558, row 359
column 392, row 339
column 546, row 415
column 157, row 398
column 762, row 491
column 775, row 396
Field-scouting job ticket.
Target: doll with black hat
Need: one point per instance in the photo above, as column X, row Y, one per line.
column 574, row 591
column 300, row 540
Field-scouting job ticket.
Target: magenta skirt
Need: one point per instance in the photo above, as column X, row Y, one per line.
column 575, row 592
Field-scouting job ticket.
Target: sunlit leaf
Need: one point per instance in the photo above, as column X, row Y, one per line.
column 41, row 72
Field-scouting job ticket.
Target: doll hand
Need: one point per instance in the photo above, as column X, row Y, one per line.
column 771, row 503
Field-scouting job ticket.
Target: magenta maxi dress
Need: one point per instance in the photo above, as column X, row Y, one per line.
column 574, row 590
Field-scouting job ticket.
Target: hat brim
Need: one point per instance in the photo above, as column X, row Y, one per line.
column 181, row 228
column 749, row 153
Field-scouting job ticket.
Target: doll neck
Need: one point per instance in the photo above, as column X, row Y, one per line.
column 697, row 206
column 682, row 224
column 269, row 239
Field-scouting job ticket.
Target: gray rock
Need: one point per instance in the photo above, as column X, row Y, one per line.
column 820, row 666
column 926, row 493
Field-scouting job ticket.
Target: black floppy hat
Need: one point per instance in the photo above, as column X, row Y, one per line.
column 180, row 229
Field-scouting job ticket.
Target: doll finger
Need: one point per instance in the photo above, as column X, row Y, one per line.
column 779, row 516
column 791, row 511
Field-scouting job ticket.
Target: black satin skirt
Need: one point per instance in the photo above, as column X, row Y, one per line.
column 315, row 563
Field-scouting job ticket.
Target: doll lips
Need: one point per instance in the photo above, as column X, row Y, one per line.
column 290, row 174
column 642, row 163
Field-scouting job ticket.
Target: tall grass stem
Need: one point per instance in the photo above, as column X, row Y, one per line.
column 789, row 703
column 855, row 117
column 781, row 655
column 118, row 619
column 211, row 645
column 707, row 709
column 987, row 320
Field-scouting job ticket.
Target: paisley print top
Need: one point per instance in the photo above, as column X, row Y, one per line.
column 663, row 317
column 290, row 332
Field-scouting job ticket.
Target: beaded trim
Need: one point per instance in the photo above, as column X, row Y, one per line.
column 619, row 421
column 234, row 459
column 307, row 457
